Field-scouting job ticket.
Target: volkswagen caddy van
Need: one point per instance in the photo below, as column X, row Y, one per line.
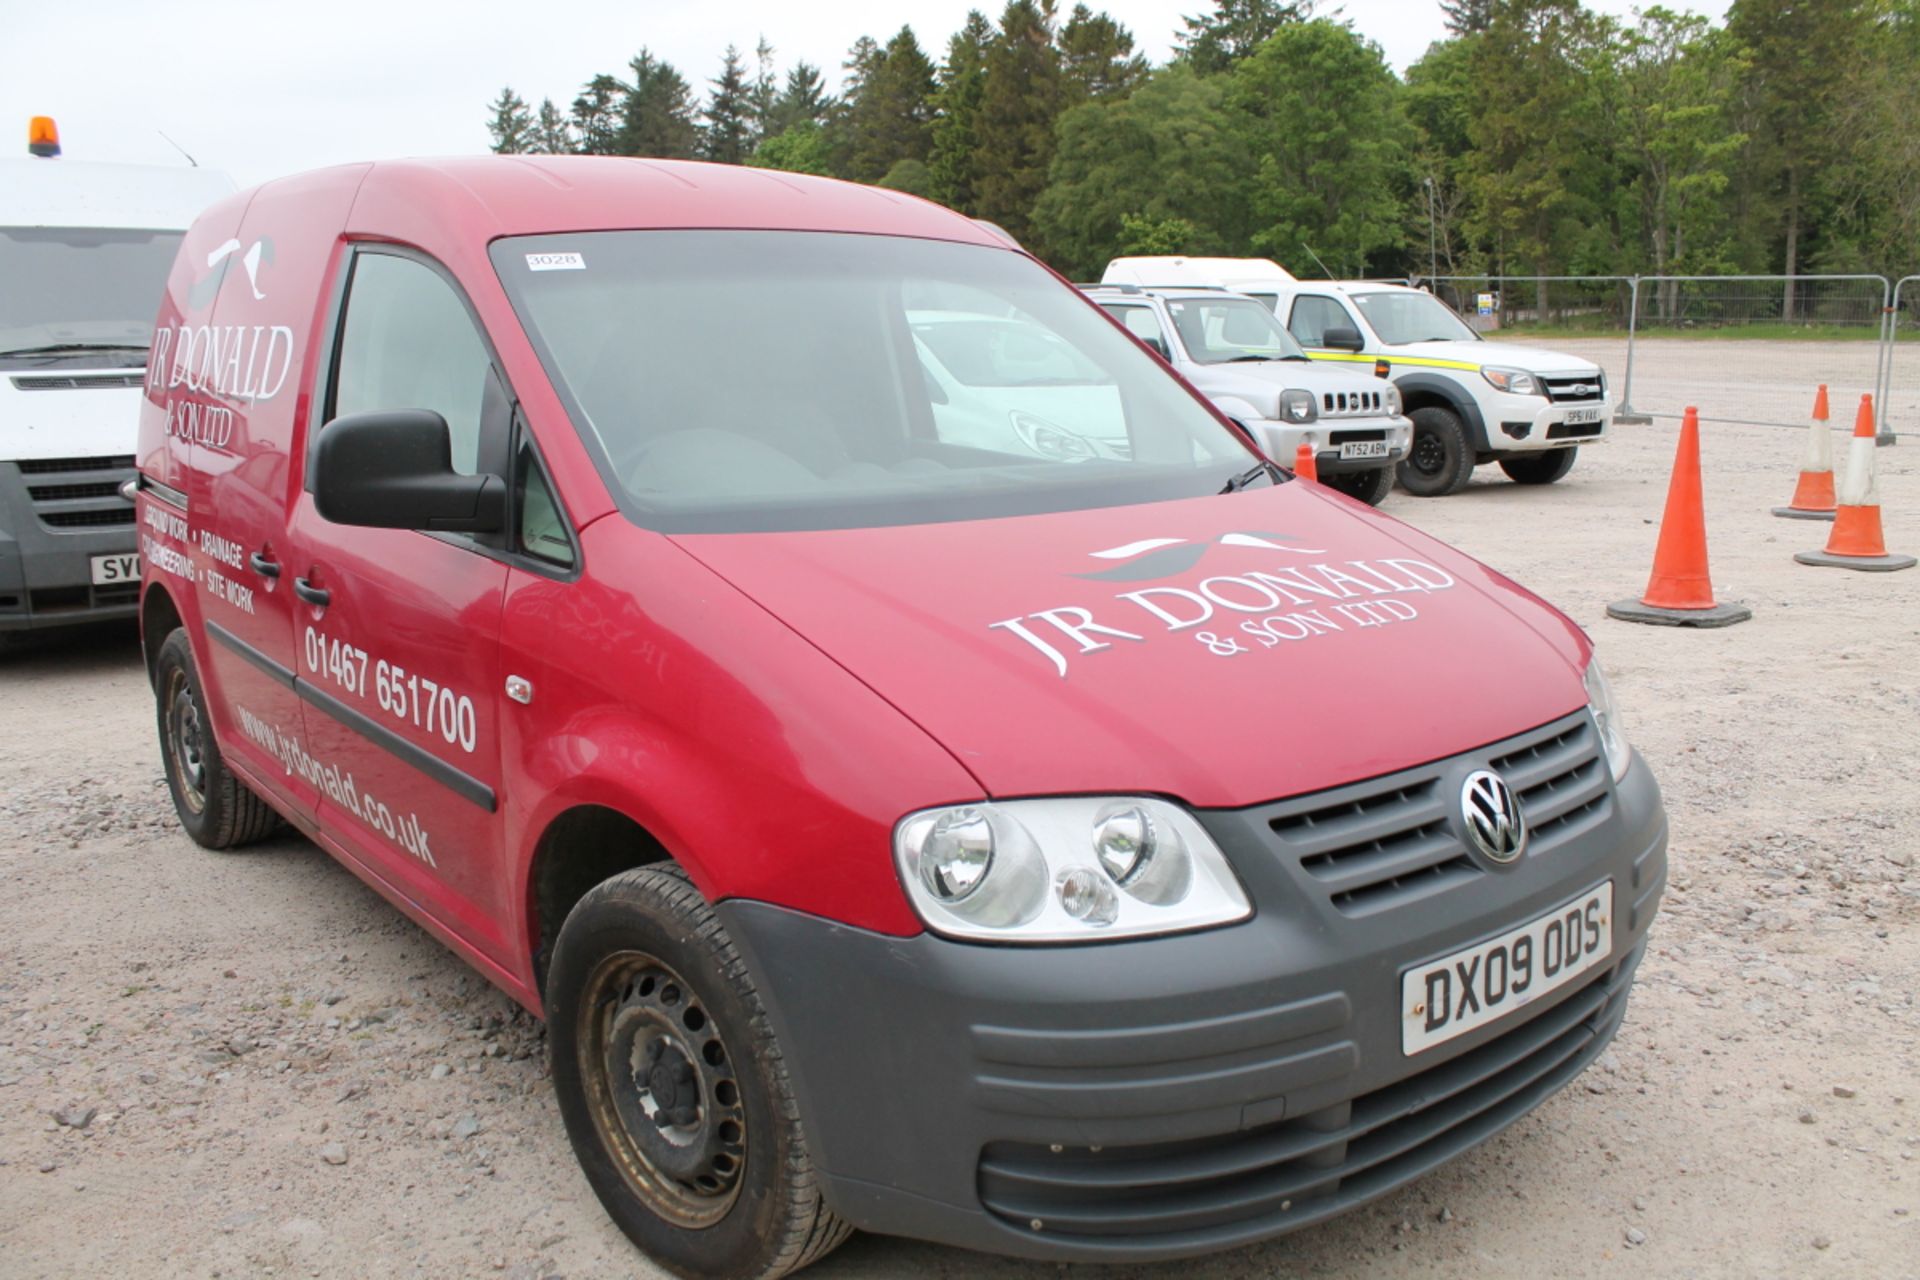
column 1047, row 848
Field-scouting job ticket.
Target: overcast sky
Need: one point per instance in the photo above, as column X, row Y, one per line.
column 265, row 89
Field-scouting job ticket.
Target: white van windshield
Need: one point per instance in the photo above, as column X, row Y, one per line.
column 735, row 380
column 70, row 292
column 1400, row 318
column 1229, row 330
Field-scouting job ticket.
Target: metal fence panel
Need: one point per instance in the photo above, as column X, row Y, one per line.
column 1900, row 380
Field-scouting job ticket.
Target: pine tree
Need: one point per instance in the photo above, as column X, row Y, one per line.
column 763, row 96
column 804, row 100
column 551, row 136
column 954, row 163
column 1467, row 17
column 659, row 119
column 889, row 109
column 1215, row 41
column 1097, row 57
column 1020, row 99
column 597, row 113
column 728, row 134
column 512, row 126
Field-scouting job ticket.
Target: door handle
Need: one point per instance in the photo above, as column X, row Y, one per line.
column 264, row 567
column 318, row 597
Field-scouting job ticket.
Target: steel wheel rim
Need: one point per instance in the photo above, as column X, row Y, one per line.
column 1429, row 455
column 661, row 1089
column 186, row 742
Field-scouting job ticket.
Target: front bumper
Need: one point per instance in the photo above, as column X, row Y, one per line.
column 54, row 518
column 1517, row 423
column 1167, row 1097
column 1282, row 440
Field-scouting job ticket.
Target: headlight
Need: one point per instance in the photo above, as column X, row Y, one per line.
column 1393, row 398
column 1606, row 718
column 1518, row 381
column 1050, row 441
column 1065, row 870
column 1298, row 406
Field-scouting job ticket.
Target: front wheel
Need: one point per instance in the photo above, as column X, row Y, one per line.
column 674, row 1093
column 1441, row 460
column 1370, row 487
column 215, row 807
column 1539, row 468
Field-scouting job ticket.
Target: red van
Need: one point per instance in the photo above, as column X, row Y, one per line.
column 1048, row 848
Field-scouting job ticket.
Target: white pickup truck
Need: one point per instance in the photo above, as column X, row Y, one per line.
column 1471, row 401
column 84, row 253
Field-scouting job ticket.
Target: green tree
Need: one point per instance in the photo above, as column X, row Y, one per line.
column 954, row 164
column 763, row 96
column 1877, row 181
column 799, row 148
column 909, row 175
column 1020, row 99
column 1167, row 159
column 1143, row 234
column 1213, row 42
column 1097, row 58
column 512, row 125
column 1440, row 102
column 889, row 109
column 1316, row 104
column 597, row 113
column 658, row 117
column 728, row 136
column 1532, row 133
column 551, row 135
column 1797, row 54
column 1467, row 17
column 802, row 100
column 1677, row 79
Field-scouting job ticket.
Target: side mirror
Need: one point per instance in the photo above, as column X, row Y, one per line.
column 394, row 470
column 1341, row 338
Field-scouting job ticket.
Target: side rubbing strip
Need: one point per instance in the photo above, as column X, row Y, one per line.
column 464, row 785
column 280, row 675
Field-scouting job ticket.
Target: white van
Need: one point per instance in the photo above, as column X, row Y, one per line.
column 84, row 253
column 1471, row 401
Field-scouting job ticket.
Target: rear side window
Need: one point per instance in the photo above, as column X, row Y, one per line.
column 1313, row 316
column 408, row 343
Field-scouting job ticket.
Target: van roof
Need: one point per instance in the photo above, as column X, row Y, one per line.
column 1175, row 269
column 529, row 195
column 88, row 193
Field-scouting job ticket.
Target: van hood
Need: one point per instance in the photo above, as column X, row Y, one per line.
column 1222, row 650
column 63, row 410
column 1481, row 354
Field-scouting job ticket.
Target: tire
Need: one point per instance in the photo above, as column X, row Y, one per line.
column 1441, row 460
column 1539, row 468
column 1371, row 486
column 216, row 808
column 713, row 1179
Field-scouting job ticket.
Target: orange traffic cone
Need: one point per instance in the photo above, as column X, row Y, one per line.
column 1304, row 465
column 1680, row 594
column 1857, row 542
column 1813, row 495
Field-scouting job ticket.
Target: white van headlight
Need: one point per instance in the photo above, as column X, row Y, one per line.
column 1606, row 717
column 1517, row 381
column 1050, row 440
column 1065, row 870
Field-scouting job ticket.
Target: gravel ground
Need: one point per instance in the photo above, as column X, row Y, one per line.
column 249, row 1065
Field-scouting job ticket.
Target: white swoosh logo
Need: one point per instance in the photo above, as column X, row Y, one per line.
column 1136, row 548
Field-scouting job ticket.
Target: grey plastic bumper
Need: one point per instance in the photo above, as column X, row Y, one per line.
column 45, row 570
column 1173, row 1096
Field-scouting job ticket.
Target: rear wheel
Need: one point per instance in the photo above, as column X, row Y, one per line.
column 1441, row 460
column 215, row 807
column 1370, row 487
column 1539, row 468
column 673, row 1089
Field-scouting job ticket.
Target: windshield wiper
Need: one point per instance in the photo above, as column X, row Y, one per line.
column 1251, row 474
column 66, row 348
column 1246, row 359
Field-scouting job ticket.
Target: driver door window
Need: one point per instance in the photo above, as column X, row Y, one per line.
column 1313, row 316
column 1144, row 325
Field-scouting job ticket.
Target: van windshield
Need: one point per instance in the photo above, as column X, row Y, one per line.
column 747, row 380
column 81, row 294
column 1411, row 316
column 1225, row 330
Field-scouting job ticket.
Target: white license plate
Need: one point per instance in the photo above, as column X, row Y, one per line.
column 1364, row 449
column 1580, row 417
column 1453, row 995
column 111, row 571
